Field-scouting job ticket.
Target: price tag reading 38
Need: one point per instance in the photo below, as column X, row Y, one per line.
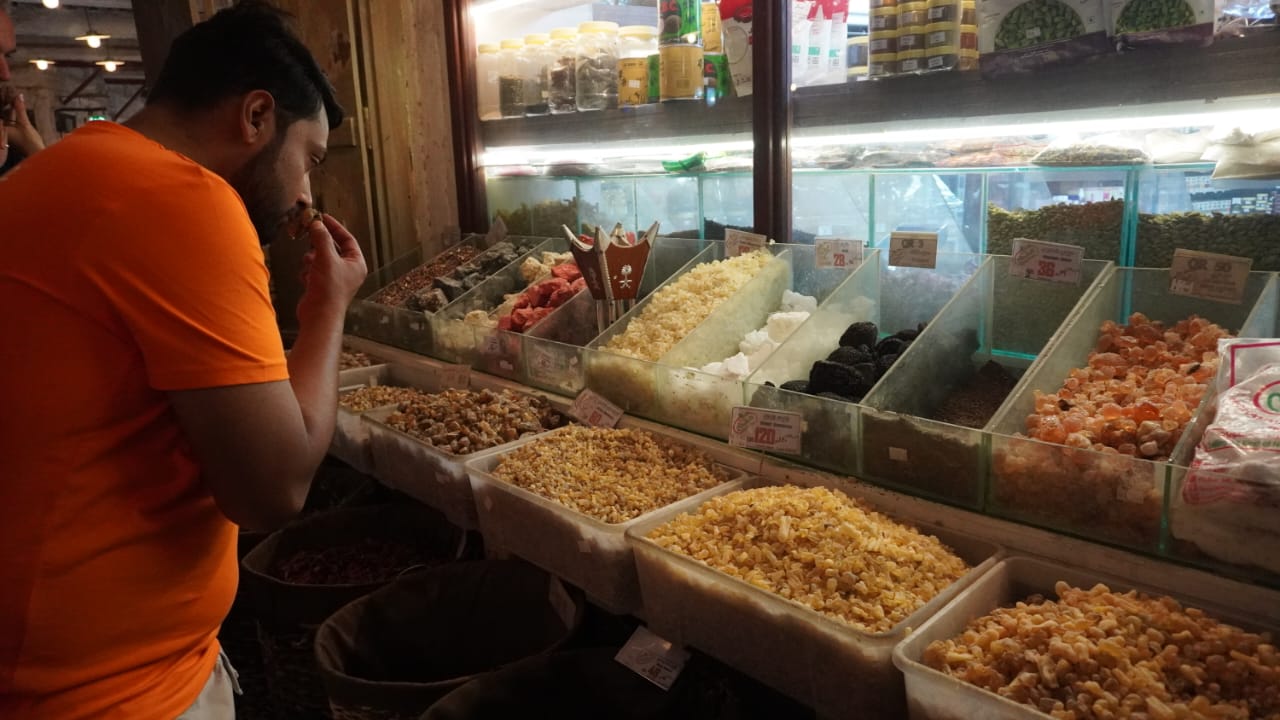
column 759, row 429
column 738, row 242
column 913, row 249
column 837, row 253
column 1046, row 261
column 1209, row 275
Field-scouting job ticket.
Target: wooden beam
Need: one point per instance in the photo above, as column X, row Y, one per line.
column 159, row 22
column 81, row 87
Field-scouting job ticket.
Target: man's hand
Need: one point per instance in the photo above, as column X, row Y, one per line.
column 332, row 271
column 19, row 132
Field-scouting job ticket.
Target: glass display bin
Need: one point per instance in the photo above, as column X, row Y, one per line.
column 831, row 204
column 1075, row 206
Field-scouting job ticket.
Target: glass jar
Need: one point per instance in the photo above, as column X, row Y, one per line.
column 510, row 84
column 597, row 65
column 535, row 61
column 562, row 77
column 487, row 81
column 635, row 44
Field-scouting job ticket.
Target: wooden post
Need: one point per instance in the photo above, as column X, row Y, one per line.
column 159, row 22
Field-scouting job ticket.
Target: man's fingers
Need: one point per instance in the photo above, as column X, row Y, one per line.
column 345, row 242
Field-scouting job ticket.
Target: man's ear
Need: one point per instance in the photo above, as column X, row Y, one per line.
column 258, row 118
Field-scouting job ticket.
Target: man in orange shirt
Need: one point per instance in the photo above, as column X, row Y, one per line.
column 148, row 405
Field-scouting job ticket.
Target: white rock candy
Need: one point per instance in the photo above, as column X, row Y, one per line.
column 758, row 345
column 795, row 302
column 782, row 324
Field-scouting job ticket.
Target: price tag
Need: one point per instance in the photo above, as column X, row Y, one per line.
column 594, row 410
column 653, row 658
column 1050, row 262
column 550, row 366
column 1209, row 276
column 497, row 232
column 455, row 376
column 738, row 242
column 492, row 346
column 759, row 429
column 837, row 253
column 913, row 249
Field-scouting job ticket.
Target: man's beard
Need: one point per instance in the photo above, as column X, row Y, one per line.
column 262, row 192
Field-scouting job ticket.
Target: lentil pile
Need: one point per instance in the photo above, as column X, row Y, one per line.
column 352, row 359
column 367, row 398
column 818, row 548
column 467, row 421
column 678, row 308
column 612, row 475
column 1099, row 654
column 972, row 404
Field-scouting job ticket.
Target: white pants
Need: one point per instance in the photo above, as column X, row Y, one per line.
column 217, row 700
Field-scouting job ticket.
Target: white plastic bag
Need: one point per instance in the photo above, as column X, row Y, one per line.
column 1229, row 505
column 1244, row 153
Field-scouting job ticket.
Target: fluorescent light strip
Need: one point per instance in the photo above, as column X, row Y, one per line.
column 540, row 155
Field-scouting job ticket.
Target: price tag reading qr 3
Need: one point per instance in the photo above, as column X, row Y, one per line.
column 1050, row 262
column 759, row 429
column 738, row 242
column 913, row 249
column 1209, row 276
column 837, row 253
column 592, row 409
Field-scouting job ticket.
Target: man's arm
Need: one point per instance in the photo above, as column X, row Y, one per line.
column 259, row 445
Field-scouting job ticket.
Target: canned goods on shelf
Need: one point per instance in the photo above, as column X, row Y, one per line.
column 885, row 41
column 885, row 18
column 680, row 72
column 910, row 41
column 633, row 81
column 943, row 10
column 859, row 49
column 654, row 74
column 680, row 22
column 712, row 39
column 939, row 34
column 968, row 13
column 936, row 62
column 911, row 61
column 716, row 78
column 882, row 64
column 969, row 37
column 968, row 59
column 913, row 14
column 877, row 4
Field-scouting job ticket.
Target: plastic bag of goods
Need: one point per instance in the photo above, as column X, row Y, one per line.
column 1105, row 149
column 1023, row 36
column 735, row 23
column 1230, row 502
column 1139, row 23
column 1244, row 153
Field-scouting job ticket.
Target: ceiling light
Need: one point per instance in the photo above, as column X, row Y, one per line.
column 109, row 65
column 93, row 38
column 42, row 64
column 51, row 4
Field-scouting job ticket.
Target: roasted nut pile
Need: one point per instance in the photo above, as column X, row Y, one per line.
column 367, row 561
column 1095, row 226
column 466, row 421
column 819, row 548
column 352, row 359
column 678, row 308
column 611, row 475
column 367, row 398
column 1098, row 654
column 397, row 294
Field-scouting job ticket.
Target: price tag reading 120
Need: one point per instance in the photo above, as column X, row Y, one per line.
column 913, row 249
column 759, row 429
column 1050, row 262
column 738, row 242
column 837, row 253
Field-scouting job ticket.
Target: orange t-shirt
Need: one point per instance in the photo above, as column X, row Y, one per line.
column 128, row 270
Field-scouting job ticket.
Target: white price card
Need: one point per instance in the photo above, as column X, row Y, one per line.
column 455, row 376
column 837, row 253
column 913, row 249
column 760, row 429
column 1209, row 276
column 593, row 409
column 491, row 346
column 550, row 366
column 653, row 658
column 1050, row 262
column 739, row 242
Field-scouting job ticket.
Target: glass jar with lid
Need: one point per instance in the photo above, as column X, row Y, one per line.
column 487, row 81
column 562, row 77
column 510, row 84
column 635, row 44
column 597, row 65
column 534, row 63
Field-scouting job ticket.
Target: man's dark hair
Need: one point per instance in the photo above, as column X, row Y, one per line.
column 246, row 47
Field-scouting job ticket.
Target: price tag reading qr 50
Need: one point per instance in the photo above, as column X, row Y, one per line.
column 1050, row 262
column 738, row 242
column 837, row 253
column 759, row 429
column 913, row 249
column 592, row 409
column 1209, row 276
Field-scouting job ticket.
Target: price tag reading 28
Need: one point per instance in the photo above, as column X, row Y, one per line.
column 759, row 429
column 837, row 253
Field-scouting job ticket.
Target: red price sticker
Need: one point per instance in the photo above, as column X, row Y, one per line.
column 837, row 253
column 759, row 429
column 591, row 408
column 738, row 242
column 1046, row 261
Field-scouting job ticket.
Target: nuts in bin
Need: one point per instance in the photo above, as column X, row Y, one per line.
column 818, row 548
column 1100, row 654
column 462, row 422
column 612, row 475
column 367, row 398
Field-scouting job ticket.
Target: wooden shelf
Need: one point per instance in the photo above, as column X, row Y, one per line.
column 1230, row 68
column 648, row 122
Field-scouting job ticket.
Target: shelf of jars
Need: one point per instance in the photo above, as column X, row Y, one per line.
column 958, row 383
column 729, row 116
